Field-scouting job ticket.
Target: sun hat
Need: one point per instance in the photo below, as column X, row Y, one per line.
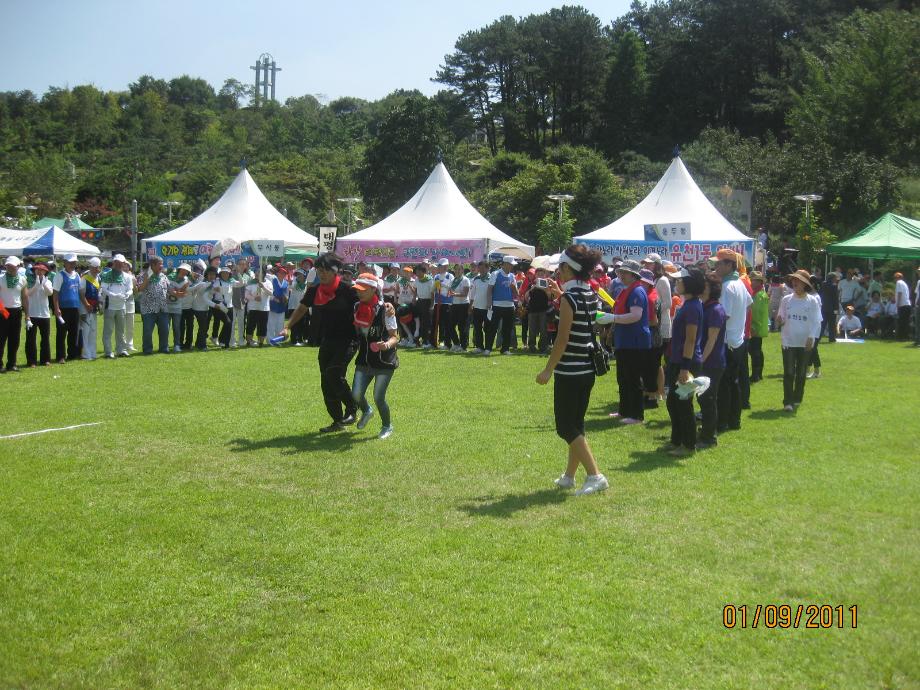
column 510, row 260
column 630, row 266
column 119, row 257
column 652, row 258
column 366, row 281
column 70, row 258
column 802, row 275
column 184, row 267
column 12, row 261
column 646, row 276
column 95, row 262
column 41, row 264
column 726, row 255
column 756, row 275
column 443, row 262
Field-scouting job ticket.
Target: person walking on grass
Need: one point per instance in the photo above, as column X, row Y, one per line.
column 686, row 359
column 713, row 359
column 378, row 336
column 570, row 361
column 632, row 340
column 799, row 319
column 333, row 302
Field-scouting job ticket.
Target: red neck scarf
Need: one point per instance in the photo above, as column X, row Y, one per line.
column 325, row 293
column 365, row 312
column 619, row 306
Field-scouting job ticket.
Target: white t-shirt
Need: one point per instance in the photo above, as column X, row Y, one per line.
column 38, row 298
column 801, row 319
column 424, row 289
column 479, row 291
column 12, row 297
column 663, row 288
column 901, row 294
column 462, row 291
column 848, row 323
column 118, row 293
column 258, row 299
column 406, row 293
column 735, row 300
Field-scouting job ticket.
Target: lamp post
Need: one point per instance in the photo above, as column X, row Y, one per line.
column 561, row 199
column 169, row 205
column 809, row 199
column 349, row 201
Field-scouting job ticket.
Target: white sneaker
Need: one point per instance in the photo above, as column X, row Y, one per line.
column 787, row 408
column 409, row 345
column 565, row 482
column 507, row 352
column 385, row 432
column 487, row 352
column 426, row 346
column 477, row 350
column 593, row 484
column 442, row 347
column 177, row 349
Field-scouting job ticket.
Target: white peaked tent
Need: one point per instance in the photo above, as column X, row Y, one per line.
column 43, row 242
column 676, row 215
column 243, row 214
column 438, row 221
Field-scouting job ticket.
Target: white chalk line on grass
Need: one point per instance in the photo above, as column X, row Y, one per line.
column 45, row 431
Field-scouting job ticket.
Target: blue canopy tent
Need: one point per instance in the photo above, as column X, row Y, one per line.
column 50, row 241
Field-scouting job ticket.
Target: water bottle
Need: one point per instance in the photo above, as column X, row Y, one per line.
column 277, row 340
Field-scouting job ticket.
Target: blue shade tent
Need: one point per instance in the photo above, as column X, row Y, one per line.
column 48, row 241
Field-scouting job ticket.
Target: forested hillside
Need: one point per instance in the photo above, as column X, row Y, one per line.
column 779, row 97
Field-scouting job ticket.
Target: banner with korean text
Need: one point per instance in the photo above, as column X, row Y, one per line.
column 678, row 252
column 410, row 251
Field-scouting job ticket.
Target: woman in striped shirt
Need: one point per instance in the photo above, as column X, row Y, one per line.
column 571, row 361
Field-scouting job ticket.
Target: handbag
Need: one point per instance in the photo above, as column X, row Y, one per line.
column 599, row 356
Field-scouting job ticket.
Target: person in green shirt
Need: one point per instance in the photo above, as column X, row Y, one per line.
column 760, row 325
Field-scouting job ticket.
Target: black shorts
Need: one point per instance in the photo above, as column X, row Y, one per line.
column 571, row 395
column 258, row 322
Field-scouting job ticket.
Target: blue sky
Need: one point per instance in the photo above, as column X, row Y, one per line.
column 362, row 48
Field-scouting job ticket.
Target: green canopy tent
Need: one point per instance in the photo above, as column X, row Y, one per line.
column 70, row 223
column 298, row 255
column 889, row 237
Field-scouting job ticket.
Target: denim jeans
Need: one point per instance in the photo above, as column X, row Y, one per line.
column 161, row 321
column 382, row 378
column 175, row 319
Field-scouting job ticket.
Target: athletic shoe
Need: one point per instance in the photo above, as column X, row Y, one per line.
column 565, row 482
column 456, row 348
column 593, row 484
column 111, row 355
column 426, row 346
column 177, row 349
column 409, row 345
column 332, row 428
column 442, row 347
column 365, row 418
column 385, row 432
column 477, row 351
column 507, row 352
column 298, row 344
column 788, row 408
column 348, row 420
column 124, row 354
column 486, row 353
column 630, row 420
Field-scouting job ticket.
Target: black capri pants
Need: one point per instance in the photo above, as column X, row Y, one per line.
column 571, row 395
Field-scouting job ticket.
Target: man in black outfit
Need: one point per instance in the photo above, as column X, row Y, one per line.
column 830, row 296
column 333, row 302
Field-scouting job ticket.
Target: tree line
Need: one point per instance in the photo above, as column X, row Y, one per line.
column 779, row 97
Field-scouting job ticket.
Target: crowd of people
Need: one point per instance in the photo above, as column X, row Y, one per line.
column 666, row 325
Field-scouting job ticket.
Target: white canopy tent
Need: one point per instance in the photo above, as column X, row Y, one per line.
column 50, row 241
column 437, row 222
column 675, row 220
column 242, row 214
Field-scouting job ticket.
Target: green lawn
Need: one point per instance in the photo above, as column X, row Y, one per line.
column 205, row 536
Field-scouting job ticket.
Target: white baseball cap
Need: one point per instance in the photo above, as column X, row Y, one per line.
column 70, row 257
column 509, row 260
column 652, row 258
column 12, row 261
column 443, row 262
column 95, row 262
column 119, row 257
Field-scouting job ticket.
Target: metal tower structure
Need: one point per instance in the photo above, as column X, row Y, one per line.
column 266, row 77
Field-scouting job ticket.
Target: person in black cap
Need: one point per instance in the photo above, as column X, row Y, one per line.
column 333, row 303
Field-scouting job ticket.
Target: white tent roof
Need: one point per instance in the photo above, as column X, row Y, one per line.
column 438, row 211
column 43, row 242
column 675, row 199
column 242, row 213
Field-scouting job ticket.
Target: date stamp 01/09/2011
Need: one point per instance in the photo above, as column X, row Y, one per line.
column 814, row 616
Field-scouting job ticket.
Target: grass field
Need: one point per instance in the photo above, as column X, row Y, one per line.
column 205, row 536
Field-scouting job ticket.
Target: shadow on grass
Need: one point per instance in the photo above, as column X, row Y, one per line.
column 302, row 443
column 769, row 414
column 508, row 505
column 648, row 460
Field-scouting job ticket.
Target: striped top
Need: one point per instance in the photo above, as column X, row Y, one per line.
column 576, row 360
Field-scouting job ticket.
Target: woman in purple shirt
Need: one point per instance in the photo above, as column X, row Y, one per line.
column 685, row 360
column 714, row 320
